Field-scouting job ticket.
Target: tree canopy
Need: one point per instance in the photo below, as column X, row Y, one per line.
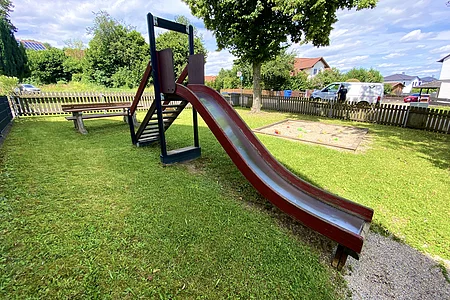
column 364, row 75
column 117, row 54
column 179, row 44
column 256, row 31
column 47, row 66
column 12, row 55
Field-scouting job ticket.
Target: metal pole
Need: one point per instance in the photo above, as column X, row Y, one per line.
column 194, row 112
column 151, row 32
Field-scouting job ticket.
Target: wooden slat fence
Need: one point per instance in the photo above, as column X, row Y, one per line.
column 386, row 114
column 49, row 103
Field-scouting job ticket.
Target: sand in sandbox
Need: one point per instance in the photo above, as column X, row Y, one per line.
column 346, row 137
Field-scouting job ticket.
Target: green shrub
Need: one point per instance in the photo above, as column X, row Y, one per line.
column 7, row 84
column 77, row 77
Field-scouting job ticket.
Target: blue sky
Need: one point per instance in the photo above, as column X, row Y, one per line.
column 397, row 36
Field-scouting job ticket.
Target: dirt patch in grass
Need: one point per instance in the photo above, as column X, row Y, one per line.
column 336, row 136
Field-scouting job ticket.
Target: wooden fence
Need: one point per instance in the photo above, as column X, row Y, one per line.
column 430, row 119
column 5, row 114
column 34, row 104
column 386, row 114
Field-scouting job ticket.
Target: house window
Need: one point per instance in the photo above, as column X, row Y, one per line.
column 315, row 72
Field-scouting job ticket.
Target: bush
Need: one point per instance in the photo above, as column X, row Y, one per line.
column 387, row 89
column 77, row 77
column 7, row 84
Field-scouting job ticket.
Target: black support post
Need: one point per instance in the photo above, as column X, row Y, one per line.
column 194, row 111
column 156, row 84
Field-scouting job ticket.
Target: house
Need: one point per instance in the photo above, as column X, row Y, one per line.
column 397, row 87
column 32, row 45
column 444, row 91
column 408, row 81
column 311, row 66
column 210, row 78
column 427, row 79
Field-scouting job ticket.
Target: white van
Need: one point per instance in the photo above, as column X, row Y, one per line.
column 357, row 92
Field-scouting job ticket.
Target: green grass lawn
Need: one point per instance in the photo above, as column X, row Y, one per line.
column 74, row 86
column 94, row 217
column 404, row 175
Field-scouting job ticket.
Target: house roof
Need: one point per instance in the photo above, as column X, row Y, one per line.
column 33, row 45
column 427, row 79
column 210, row 78
column 398, row 77
column 442, row 59
column 306, row 63
column 433, row 84
column 394, row 84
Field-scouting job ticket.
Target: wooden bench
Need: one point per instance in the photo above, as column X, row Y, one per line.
column 77, row 111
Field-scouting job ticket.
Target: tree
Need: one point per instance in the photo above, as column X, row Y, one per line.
column 299, row 82
column 325, row 77
column 115, row 48
column 5, row 8
column 276, row 73
column 256, row 31
column 12, row 55
column 47, row 66
column 364, row 75
column 179, row 44
column 387, row 89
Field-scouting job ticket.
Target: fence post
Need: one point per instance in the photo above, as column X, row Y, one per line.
column 330, row 111
column 12, row 106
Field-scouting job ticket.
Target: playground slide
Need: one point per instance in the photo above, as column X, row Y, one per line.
column 337, row 218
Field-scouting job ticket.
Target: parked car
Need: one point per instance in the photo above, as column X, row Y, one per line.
column 26, row 88
column 415, row 98
column 357, row 92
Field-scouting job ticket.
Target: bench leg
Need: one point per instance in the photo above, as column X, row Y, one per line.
column 80, row 124
column 340, row 258
column 135, row 122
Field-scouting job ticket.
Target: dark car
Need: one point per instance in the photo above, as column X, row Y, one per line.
column 415, row 98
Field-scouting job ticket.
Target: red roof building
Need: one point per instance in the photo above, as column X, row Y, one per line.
column 311, row 66
column 209, row 78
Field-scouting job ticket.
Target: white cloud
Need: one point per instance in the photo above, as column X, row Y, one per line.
column 217, row 60
column 366, row 38
column 415, row 35
column 443, row 49
column 394, row 11
column 352, row 59
column 430, row 71
column 393, row 55
column 387, row 65
column 443, row 35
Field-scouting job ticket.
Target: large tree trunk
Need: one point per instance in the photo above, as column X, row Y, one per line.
column 256, row 107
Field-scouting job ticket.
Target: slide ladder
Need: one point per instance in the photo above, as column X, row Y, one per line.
column 148, row 132
column 166, row 106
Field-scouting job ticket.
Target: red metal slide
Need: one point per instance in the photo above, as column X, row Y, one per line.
column 337, row 218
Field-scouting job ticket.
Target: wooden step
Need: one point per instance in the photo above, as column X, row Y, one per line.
column 165, row 112
column 165, row 118
column 148, row 136
column 147, row 141
column 173, row 105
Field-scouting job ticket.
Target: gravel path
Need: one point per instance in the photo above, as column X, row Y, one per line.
column 391, row 270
